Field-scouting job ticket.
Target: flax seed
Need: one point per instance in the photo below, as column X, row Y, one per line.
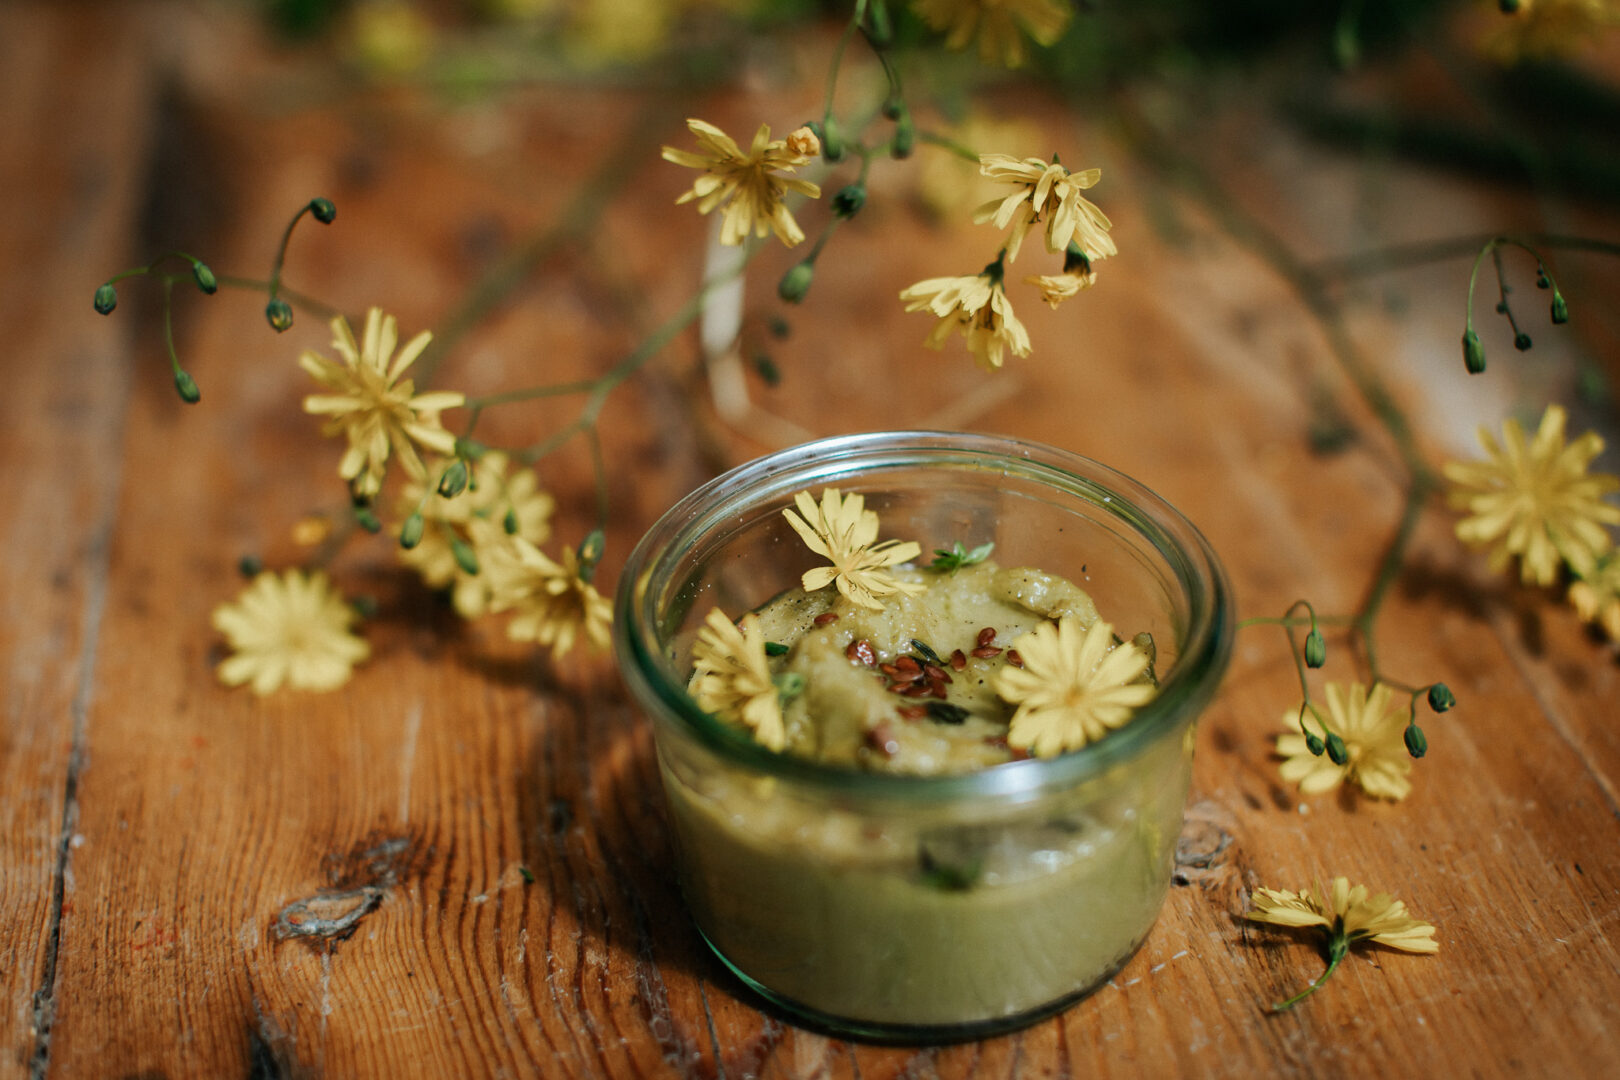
column 958, row 660
column 825, row 618
column 985, row 652
column 1014, row 659
column 986, row 636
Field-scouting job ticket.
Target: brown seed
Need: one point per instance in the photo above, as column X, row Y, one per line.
column 917, row 690
column 900, row 687
column 958, row 660
column 826, row 617
column 1014, row 659
column 890, row 670
column 986, row 636
column 984, row 652
column 864, row 653
column 937, row 674
column 937, row 689
column 908, row 665
column 913, row 712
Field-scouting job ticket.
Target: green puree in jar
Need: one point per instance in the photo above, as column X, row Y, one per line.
column 930, row 914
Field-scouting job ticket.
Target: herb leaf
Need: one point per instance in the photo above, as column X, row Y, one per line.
column 775, row 648
column 946, row 713
column 957, row 556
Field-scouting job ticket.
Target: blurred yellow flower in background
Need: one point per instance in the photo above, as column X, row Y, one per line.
column 999, row 25
column 747, row 185
column 289, row 629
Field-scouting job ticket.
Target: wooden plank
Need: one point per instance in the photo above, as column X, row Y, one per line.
column 67, row 217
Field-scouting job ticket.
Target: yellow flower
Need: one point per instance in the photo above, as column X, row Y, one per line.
column 553, row 601
column 1000, row 25
column 477, row 516
column 732, row 680
column 1537, row 500
column 373, row 406
column 1374, row 739
column 289, row 629
column 1596, row 596
column 1046, row 191
column 1076, row 686
column 978, row 306
column 1345, row 915
column 1056, row 288
column 747, row 184
column 1542, row 28
column 843, row 530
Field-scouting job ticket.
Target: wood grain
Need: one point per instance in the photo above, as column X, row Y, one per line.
column 196, row 882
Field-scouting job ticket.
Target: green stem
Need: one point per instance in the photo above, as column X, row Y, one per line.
column 945, row 142
column 838, row 58
column 1338, row 948
column 281, row 252
column 1404, row 256
column 292, row 296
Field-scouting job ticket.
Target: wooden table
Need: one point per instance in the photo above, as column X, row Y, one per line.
column 156, row 828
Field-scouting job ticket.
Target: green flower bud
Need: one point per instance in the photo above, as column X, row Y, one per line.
column 250, row 566
column 205, row 278
column 780, row 328
column 1473, row 353
column 832, row 142
column 410, row 533
column 510, row 521
column 1560, row 310
column 323, row 210
column 1441, row 699
column 591, row 548
column 1416, row 744
column 1521, row 341
column 894, row 108
column 848, row 202
column 1509, row 7
column 1336, row 751
column 1315, row 650
column 796, row 282
column 1313, row 743
column 367, row 519
column 364, row 606
column 106, row 299
column 187, row 387
column 454, row 480
column 278, row 314
column 879, row 27
column 768, row 370
column 464, row 555
column 905, row 138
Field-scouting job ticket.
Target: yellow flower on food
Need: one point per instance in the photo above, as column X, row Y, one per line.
column 1374, row 737
column 1535, row 501
column 1543, row 28
column 554, row 604
column 843, row 530
column 747, row 185
column 732, row 679
column 1076, row 686
column 373, row 406
column 478, row 516
column 1046, row 192
column 1000, row 25
column 977, row 306
column 1345, row 915
column 289, row 629
column 1596, row 596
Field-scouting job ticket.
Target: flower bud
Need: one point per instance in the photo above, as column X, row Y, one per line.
column 591, row 548
column 879, row 27
column 768, row 370
column 1560, row 310
column 796, row 282
column 510, row 521
column 367, row 519
column 1315, row 650
column 205, row 278
column 1313, row 743
column 454, row 480
column 323, row 210
column 1521, row 341
column 186, row 386
column 249, row 566
column 832, row 142
column 905, row 138
column 1473, row 353
column 1416, row 744
column 848, row 202
column 1336, row 751
column 278, row 314
column 894, row 108
column 410, row 533
column 804, row 141
column 1508, row 7
column 106, row 299
column 1441, row 699
column 464, row 555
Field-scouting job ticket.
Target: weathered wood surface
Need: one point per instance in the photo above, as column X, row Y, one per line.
column 155, row 827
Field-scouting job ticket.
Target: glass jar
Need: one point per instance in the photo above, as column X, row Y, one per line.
column 926, row 907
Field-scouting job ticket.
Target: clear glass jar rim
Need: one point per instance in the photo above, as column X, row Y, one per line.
column 1190, row 683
